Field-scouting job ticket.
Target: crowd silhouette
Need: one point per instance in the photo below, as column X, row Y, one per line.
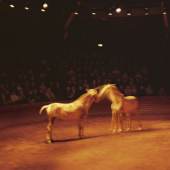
column 50, row 81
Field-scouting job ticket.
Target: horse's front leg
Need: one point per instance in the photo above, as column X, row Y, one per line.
column 49, row 129
column 114, row 122
column 117, row 122
column 120, row 121
column 129, row 121
column 139, row 124
column 81, row 126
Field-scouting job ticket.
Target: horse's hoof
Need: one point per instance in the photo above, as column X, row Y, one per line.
column 81, row 137
column 139, row 128
column 49, row 141
column 114, row 131
column 128, row 129
column 119, row 130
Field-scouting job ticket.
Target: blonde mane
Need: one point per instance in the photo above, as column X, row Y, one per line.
column 82, row 96
column 109, row 91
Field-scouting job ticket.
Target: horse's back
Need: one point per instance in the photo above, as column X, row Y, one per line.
column 64, row 110
column 130, row 104
column 130, row 98
column 63, row 106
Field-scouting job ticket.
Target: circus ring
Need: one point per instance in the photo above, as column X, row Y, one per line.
column 22, row 135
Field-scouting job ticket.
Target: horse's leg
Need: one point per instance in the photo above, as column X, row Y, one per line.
column 129, row 121
column 49, row 129
column 139, row 123
column 84, row 121
column 114, row 122
column 120, row 121
column 81, row 128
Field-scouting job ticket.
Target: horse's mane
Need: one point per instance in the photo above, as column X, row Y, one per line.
column 112, row 86
column 82, row 96
column 104, row 85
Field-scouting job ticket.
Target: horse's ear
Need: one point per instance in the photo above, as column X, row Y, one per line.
column 86, row 89
column 114, row 84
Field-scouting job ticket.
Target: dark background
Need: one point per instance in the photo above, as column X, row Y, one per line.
column 128, row 42
column 29, row 36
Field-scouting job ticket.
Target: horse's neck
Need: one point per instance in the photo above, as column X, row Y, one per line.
column 110, row 94
column 81, row 98
column 88, row 101
column 103, row 93
column 85, row 99
column 115, row 98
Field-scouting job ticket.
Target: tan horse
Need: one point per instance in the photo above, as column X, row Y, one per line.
column 77, row 110
column 130, row 109
column 121, row 106
column 111, row 92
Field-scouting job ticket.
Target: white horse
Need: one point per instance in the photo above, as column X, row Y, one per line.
column 76, row 110
column 121, row 106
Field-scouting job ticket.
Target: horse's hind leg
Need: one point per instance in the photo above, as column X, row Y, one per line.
column 120, row 121
column 49, row 129
column 114, row 122
column 129, row 121
column 139, row 124
column 81, row 128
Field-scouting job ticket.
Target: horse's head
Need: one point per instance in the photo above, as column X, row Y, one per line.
column 93, row 93
column 104, row 91
column 101, row 90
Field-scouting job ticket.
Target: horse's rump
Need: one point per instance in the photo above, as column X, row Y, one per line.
column 43, row 108
column 130, row 104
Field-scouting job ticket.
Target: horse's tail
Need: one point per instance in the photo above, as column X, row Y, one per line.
column 42, row 108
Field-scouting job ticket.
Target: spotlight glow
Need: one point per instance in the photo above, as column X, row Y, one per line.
column 129, row 14
column 100, row 45
column 76, row 13
column 93, row 13
column 110, row 14
column 12, row 6
column 118, row 10
column 146, row 13
column 45, row 5
column 164, row 13
column 26, row 8
column 43, row 10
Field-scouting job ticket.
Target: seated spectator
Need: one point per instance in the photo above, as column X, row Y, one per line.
column 14, row 97
column 162, row 92
column 134, row 91
column 149, row 90
column 141, row 90
column 49, row 94
column 86, row 85
column 30, row 97
column 127, row 91
column 116, row 73
column 125, row 78
column 71, row 92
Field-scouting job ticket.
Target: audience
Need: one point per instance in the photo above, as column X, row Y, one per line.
column 48, row 82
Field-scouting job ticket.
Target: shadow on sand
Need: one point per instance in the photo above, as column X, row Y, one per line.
column 146, row 130
column 78, row 139
column 111, row 134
